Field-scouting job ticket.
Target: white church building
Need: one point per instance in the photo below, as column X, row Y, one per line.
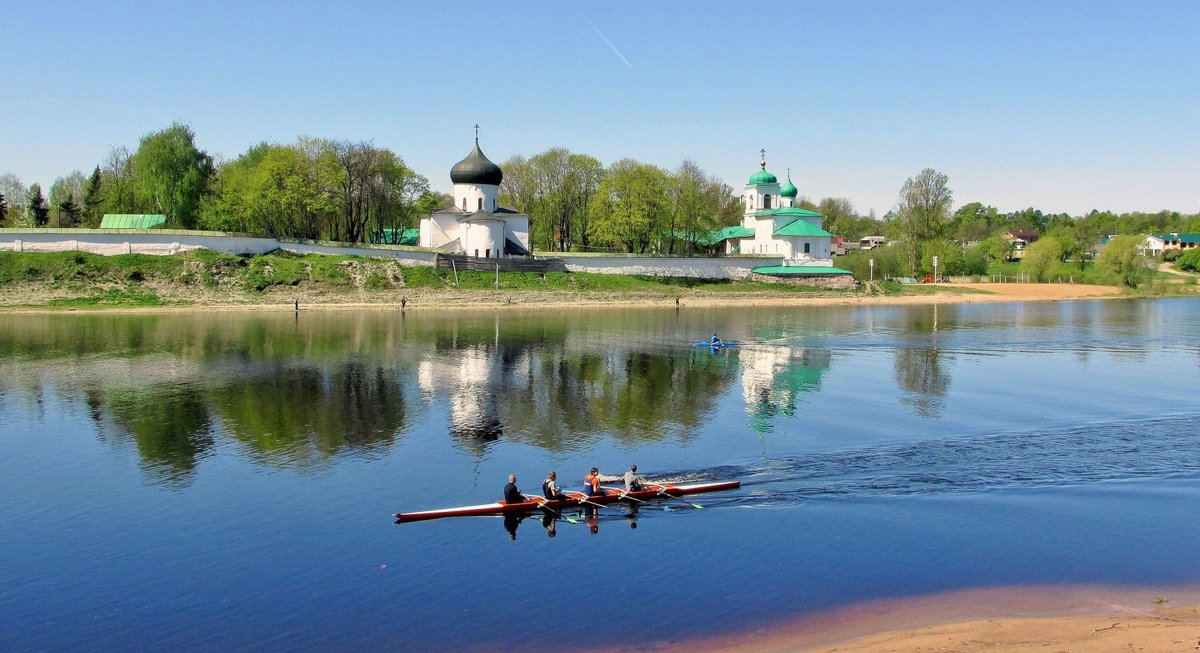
column 773, row 224
column 475, row 224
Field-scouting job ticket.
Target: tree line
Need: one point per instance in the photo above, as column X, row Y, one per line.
column 971, row 240
column 356, row 192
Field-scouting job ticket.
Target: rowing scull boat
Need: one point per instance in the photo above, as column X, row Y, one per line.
column 611, row 495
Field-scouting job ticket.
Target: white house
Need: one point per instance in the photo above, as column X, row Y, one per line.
column 475, row 224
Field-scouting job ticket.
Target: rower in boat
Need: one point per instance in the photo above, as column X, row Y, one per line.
column 632, row 482
column 511, row 493
column 550, row 488
column 591, row 483
column 714, row 341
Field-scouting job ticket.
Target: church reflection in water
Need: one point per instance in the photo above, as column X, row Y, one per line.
column 775, row 380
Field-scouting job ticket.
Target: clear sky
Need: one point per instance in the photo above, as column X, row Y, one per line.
column 1062, row 106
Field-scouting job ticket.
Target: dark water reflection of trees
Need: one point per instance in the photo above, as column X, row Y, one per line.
column 298, row 391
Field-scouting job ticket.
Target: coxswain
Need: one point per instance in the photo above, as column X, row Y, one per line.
column 591, row 483
column 632, row 482
column 511, row 493
column 550, row 488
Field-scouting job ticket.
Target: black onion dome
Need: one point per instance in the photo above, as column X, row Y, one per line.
column 476, row 169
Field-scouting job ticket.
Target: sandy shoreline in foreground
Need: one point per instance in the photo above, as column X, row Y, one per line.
column 528, row 300
column 1079, row 619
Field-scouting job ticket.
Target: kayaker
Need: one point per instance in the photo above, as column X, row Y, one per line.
column 632, row 482
column 550, row 488
column 591, row 483
column 714, row 341
column 511, row 493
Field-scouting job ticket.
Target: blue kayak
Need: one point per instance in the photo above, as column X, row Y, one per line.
column 715, row 345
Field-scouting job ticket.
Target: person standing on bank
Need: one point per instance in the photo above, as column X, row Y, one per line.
column 550, row 488
column 511, row 493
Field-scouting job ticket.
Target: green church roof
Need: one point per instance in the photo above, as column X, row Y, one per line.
column 799, row 270
column 737, row 231
column 801, row 228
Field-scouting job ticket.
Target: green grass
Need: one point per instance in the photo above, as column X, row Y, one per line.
column 111, row 297
column 143, row 280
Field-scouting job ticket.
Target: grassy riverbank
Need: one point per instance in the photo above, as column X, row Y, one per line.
column 205, row 278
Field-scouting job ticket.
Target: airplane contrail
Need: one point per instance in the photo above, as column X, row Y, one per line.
column 614, row 48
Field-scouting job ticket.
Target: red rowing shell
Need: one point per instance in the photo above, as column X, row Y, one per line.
column 611, row 495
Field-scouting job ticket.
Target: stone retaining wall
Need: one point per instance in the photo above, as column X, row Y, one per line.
column 166, row 242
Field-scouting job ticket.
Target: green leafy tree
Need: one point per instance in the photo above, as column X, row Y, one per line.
column 994, row 250
column 117, row 193
column 949, row 257
column 631, row 205
column 1190, row 261
column 1041, row 259
column 1121, row 261
column 554, row 189
column 37, row 212
column 924, row 210
column 374, row 188
column 975, row 222
column 839, row 216
column 171, row 175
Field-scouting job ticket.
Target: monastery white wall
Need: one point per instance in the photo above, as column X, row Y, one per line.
column 165, row 242
column 700, row 268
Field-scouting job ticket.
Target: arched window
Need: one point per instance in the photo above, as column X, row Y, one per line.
column 494, row 207
column 766, row 201
column 481, row 204
column 476, row 253
column 487, row 253
column 806, row 246
column 464, row 204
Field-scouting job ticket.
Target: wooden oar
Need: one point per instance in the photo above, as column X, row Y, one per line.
column 542, row 501
column 662, row 490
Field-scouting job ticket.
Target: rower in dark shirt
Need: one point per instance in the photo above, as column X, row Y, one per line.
column 511, row 493
column 550, row 488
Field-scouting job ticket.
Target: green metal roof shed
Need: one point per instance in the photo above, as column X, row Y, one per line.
column 132, row 220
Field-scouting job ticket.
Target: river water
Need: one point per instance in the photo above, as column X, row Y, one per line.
column 226, row 481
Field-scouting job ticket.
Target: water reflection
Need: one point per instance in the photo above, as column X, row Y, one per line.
column 774, row 380
column 297, row 393
column 922, row 375
column 172, row 428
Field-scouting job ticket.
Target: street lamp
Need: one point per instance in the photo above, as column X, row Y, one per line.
column 935, row 269
column 871, row 262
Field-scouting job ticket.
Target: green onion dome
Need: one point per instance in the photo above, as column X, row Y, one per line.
column 787, row 190
column 763, row 177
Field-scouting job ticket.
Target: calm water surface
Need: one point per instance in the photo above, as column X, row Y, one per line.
column 225, row 482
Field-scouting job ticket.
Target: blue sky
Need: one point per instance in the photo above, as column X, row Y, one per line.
column 1062, row 106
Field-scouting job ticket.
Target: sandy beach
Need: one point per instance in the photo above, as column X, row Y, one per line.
column 1085, row 619
column 27, row 299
